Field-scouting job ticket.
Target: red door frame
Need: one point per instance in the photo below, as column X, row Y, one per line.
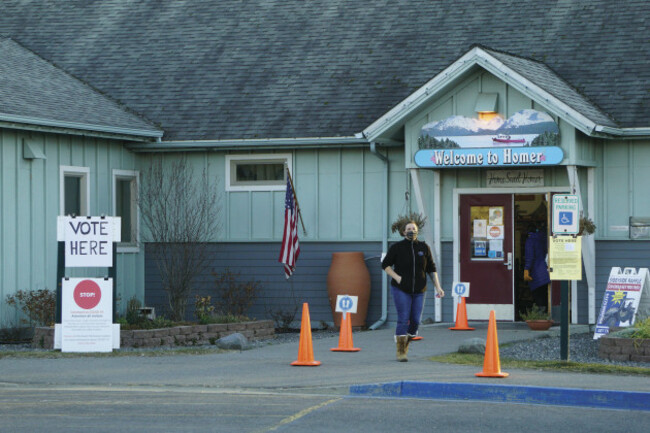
column 491, row 278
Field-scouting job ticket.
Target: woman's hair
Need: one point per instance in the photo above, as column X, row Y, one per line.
column 407, row 223
column 402, row 220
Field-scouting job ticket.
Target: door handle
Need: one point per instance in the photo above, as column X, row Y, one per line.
column 508, row 262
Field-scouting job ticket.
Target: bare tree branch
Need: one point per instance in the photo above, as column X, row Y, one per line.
column 181, row 212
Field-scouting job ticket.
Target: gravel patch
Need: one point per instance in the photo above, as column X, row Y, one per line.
column 582, row 348
column 280, row 337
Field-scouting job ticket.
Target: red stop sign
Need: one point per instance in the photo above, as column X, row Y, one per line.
column 87, row 294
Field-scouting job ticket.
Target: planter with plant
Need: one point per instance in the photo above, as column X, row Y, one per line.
column 587, row 227
column 627, row 344
column 537, row 319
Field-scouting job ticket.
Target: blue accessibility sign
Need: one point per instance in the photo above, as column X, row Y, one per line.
column 460, row 289
column 566, row 218
column 346, row 304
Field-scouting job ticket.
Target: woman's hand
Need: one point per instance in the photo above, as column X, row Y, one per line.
column 398, row 279
column 439, row 292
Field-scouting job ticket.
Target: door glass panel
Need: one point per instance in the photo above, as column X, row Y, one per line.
column 487, row 232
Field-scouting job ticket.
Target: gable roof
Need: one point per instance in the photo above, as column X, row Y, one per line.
column 269, row 69
column 35, row 92
column 531, row 78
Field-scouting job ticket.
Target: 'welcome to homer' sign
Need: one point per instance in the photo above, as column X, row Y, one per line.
column 89, row 240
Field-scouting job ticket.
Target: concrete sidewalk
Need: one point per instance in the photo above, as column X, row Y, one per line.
column 521, row 386
column 268, row 368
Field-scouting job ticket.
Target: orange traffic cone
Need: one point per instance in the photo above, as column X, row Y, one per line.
column 345, row 336
column 461, row 317
column 305, row 349
column 491, row 363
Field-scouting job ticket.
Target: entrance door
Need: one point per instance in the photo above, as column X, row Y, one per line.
column 486, row 254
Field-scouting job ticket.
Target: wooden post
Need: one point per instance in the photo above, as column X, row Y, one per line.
column 60, row 273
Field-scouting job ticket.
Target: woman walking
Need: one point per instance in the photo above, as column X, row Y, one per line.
column 408, row 262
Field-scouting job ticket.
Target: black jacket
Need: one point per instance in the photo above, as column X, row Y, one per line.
column 412, row 261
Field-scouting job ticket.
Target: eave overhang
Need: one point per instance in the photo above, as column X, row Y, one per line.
column 75, row 128
column 482, row 58
column 357, row 141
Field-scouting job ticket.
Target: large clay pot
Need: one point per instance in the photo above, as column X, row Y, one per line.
column 348, row 275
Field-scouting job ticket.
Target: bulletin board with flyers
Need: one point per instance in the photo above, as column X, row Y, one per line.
column 487, row 231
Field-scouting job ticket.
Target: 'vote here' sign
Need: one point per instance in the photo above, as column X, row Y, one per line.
column 88, row 240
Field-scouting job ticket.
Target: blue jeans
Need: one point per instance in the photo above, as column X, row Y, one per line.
column 409, row 311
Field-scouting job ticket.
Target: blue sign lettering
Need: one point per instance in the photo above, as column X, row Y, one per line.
column 489, row 157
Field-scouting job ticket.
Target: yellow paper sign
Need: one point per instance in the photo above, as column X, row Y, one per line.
column 565, row 257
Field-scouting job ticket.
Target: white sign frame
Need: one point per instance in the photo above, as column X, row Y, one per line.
column 87, row 328
column 89, row 240
column 566, row 207
column 465, row 292
column 346, row 304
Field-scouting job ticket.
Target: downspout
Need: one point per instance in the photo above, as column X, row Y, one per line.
column 384, row 239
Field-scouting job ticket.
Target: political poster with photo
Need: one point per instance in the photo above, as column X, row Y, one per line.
column 621, row 300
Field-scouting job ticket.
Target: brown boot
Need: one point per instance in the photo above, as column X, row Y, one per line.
column 402, row 347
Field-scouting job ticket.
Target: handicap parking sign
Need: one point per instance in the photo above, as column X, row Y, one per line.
column 565, row 214
column 460, row 289
column 566, row 218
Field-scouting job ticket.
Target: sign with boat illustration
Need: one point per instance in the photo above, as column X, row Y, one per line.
column 527, row 138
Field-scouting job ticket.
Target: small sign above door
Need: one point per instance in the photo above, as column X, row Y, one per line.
column 510, row 178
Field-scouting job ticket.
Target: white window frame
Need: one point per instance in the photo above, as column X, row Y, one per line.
column 84, row 174
column 261, row 157
column 134, row 177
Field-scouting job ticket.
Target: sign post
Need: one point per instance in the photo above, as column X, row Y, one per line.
column 86, row 242
column 565, row 256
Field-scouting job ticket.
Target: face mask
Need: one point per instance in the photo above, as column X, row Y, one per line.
column 411, row 236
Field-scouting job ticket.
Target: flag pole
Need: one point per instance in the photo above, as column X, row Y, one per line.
column 297, row 205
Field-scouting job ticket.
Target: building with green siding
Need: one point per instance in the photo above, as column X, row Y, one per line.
column 376, row 108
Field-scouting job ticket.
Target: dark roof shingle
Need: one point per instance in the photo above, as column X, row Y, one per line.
column 237, row 69
column 33, row 88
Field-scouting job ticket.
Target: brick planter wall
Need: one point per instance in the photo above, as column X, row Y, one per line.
column 193, row 335
column 624, row 349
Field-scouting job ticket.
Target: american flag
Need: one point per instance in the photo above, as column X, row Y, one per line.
column 290, row 246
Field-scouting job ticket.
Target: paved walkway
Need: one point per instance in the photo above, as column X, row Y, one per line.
column 268, row 368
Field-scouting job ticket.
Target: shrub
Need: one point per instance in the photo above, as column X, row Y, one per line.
column 133, row 311
column 642, row 328
column 203, row 308
column 235, row 297
column 38, row 305
column 534, row 313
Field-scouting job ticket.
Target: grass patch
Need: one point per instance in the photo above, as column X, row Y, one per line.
column 56, row 354
column 579, row 367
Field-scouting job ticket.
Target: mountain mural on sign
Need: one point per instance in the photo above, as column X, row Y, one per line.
column 524, row 128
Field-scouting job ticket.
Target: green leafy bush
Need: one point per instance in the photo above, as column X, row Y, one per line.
column 534, row 313
column 642, row 328
column 203, row 307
